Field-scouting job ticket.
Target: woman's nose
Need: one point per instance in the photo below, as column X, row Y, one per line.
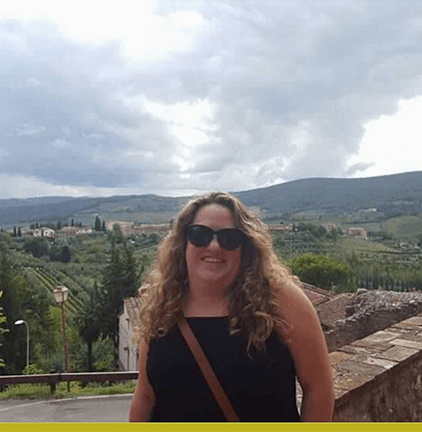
column 214, row 242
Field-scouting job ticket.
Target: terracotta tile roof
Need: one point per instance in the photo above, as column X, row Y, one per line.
column 317, row 295
column 334, row 310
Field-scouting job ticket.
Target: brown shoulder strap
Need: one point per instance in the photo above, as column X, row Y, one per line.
column 207, row 371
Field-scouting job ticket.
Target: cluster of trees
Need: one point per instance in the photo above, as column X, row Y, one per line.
column 2, row 329
column 322, row 271
column 317, row 257
column 55, row 226
column 41, row 246
column 92, row 330
column 354, row 272
column 386, row 270
column 98, row 226
column 100, row 315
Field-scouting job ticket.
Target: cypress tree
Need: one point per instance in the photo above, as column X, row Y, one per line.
column 65, row 255
column 97, row 224
column 120, row 281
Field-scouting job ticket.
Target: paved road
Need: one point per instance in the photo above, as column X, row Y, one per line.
column 83, row 409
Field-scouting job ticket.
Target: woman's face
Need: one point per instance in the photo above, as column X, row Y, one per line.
column 212, row 264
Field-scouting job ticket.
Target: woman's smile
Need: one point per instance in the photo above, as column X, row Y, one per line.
column 212, row 260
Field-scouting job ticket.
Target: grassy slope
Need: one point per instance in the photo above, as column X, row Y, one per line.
column 403, row 225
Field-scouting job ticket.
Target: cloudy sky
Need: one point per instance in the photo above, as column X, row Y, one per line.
column 174, row 97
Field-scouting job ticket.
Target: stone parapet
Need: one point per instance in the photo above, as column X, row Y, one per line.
column 379, row 378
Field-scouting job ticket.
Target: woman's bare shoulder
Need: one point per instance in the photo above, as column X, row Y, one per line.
column 297, row 309
column 292, row 296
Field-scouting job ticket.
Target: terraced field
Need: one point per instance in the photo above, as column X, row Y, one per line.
column 358, row 245
column 404, row 225
column 45, row 280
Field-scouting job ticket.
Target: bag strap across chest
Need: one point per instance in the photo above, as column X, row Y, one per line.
column 207, row 371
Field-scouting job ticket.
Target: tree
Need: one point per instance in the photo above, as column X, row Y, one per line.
column 14, row 232
column 2, row 329
column 120, row 281
column 88, row 322
column 59, row 225
column 97, row 224
column 38, row 246
column 117, row 234
column 19, row 232
column 320, row 270
column 65, row 255
column 71, row 223
column 11, row 284
column 103, row 228
column 38, row 308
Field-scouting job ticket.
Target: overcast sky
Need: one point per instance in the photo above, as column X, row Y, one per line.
column 176, row 97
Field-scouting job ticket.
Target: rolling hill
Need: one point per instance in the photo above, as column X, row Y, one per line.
column 390, row 196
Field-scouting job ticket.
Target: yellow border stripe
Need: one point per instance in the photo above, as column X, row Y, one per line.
column 207, row 427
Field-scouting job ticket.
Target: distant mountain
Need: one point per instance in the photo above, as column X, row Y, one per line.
column 390, row 194
column 399, row 194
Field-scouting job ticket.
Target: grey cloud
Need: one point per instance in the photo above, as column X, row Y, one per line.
column 271, row 66
column 61, row 115
column 293, row 84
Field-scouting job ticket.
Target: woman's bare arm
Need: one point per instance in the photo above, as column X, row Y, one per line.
column 310, row 355
column 143, row 398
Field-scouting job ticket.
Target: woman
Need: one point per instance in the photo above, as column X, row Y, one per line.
column 258, row 329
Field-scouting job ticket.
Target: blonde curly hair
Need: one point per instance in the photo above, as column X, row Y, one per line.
column 255, row 295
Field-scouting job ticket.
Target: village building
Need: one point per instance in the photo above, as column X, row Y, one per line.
column 145, row 229
column 126, row 227
column 84, row 230
column 275, row 228
column 130, row 228
column 48, row 232
column 128, row 322
column 357, row 232
column 40, row 232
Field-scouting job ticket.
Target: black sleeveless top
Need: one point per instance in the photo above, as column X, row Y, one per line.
column 261, row 389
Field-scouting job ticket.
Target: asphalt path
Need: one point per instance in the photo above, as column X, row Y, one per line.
column 83, row 409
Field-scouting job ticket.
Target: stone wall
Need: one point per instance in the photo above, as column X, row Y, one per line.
column 379, row 378
column 370, row 312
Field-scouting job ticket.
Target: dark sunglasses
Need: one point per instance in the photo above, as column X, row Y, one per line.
column 228, row 238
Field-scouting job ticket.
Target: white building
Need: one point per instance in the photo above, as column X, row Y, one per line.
column 48, row 232
column 128, row 322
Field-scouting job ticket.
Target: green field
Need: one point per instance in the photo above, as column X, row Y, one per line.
column 403, row 226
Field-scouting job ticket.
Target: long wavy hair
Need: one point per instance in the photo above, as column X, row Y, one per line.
column 254, row 296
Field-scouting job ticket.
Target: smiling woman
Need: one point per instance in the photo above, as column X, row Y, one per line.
column 216, row 275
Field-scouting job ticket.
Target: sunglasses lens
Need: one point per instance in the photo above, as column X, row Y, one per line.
column 230, row 239
column 200, row 235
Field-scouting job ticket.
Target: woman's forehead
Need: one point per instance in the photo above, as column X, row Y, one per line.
column 214, row 215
